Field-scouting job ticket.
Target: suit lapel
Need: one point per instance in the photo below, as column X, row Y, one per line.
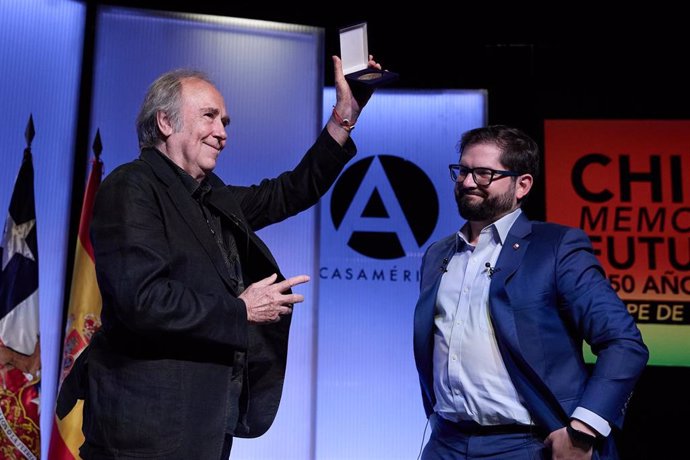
column 435, row 267
column 435, row 263
column 539, row 399
column 188, row 209
column 223, row 201
column 514, row 249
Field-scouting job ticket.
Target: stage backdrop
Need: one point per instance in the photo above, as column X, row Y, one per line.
column 351, row 389
column 626, row 184
column 392, row 201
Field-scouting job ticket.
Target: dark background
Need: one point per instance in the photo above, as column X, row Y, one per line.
column 566, row 61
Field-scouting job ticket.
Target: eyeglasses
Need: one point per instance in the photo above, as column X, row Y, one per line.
column 481, row 176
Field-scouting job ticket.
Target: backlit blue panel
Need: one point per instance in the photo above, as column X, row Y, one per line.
column 393, row 200
column 40, row 62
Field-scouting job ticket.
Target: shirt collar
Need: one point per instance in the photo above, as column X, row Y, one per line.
column 499, row 228
column 195, row 188
column 505, row 223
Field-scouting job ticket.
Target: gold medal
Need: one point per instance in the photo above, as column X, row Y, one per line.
column 370, row 76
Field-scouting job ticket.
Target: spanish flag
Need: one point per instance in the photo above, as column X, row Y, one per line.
column 84, row 318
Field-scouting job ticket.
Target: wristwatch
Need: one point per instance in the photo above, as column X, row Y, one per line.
column 580, row 438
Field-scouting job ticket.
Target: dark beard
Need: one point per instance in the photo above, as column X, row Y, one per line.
column 489, row 209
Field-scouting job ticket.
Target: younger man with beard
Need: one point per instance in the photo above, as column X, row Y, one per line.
column 504, row 308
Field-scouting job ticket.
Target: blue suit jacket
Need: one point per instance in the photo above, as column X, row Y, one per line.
column 548, row 294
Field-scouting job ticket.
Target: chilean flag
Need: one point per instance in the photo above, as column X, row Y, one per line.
column 20, row 351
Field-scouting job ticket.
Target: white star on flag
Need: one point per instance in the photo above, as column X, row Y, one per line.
column 15, row 240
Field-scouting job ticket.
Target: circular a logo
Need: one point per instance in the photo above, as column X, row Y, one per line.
column 387, row 204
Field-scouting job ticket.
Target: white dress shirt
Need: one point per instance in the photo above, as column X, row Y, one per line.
column 471, row 381
column 470, row 378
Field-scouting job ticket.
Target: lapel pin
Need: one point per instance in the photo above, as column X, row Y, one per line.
column 516, row 246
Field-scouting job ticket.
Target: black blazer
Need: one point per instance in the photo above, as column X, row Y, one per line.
column 159, row 370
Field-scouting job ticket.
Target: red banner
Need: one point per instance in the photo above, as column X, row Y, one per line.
column 625, row 183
